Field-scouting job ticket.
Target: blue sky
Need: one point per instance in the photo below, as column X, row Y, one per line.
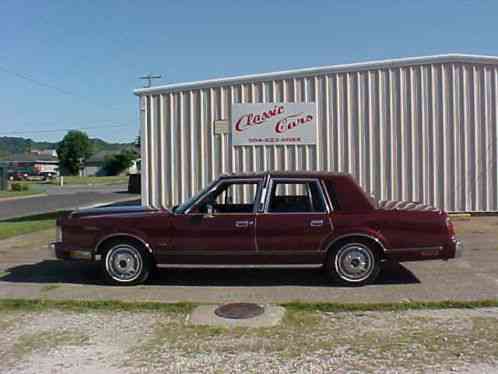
column 90, row 53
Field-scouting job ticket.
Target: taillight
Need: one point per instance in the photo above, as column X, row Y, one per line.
column 449, row 225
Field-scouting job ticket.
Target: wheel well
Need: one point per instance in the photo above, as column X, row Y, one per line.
column 106, row 243
column 374, row 244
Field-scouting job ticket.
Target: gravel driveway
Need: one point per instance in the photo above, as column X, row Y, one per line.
column 437, row 341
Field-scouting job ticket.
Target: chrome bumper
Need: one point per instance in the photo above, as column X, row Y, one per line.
column 57, row 250
column 458, row 248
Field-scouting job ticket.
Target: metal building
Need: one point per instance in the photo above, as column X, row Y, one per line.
column 422, row 129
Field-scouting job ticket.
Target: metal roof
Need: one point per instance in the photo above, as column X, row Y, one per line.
column 354, row 67
column 30, row 157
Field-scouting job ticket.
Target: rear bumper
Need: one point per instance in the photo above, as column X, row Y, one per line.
column 453, row 249
column 62, row 252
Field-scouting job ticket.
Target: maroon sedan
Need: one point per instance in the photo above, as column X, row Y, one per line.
column 264, row 220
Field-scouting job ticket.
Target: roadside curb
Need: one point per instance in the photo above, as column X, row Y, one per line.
column 96, row 205
column 2, row 199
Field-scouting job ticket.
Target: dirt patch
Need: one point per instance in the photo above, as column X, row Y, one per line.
column 124, row 342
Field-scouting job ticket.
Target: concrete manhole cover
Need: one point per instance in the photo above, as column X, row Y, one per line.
column 239, row 310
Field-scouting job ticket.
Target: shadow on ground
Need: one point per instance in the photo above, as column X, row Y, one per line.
column 52, row 271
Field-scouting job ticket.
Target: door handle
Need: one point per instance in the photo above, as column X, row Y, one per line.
column 316, row 223
column 243, row 223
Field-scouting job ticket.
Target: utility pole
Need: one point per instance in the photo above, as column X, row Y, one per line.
column 149, row 77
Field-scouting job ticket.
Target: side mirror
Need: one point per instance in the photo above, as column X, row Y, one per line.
column 209, row 211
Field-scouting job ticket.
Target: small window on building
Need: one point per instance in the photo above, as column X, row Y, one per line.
column 296, row 197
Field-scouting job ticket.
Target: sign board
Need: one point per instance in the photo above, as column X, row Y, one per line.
column 221, row 127
column 273, row 123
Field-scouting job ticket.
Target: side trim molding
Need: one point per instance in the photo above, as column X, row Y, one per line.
column 231, row 266
column 402, row 250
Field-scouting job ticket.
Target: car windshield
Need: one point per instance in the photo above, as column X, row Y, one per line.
column 183, row 207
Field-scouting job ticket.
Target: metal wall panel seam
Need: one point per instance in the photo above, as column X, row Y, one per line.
column 475, row 150
column 444, row 133
column 466, row 153
column 152, row 153
column 143, row 150
column 495, row 139
column 359, row 134
column 162, row 149
column 402, row 124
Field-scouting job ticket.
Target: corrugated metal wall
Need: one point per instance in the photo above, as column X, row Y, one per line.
column 422, row 132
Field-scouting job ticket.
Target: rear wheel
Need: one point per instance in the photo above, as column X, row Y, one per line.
column 354, row 263
column 126, row 263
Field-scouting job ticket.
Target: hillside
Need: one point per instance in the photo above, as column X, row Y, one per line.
column 12, row 145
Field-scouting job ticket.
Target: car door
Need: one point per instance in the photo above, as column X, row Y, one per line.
column 219, row 228
column 295, row 221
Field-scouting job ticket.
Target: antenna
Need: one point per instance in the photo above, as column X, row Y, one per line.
column 149, row 77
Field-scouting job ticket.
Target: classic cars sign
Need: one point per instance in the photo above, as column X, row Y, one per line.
column 273, row 123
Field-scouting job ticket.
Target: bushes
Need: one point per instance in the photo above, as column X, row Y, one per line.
column 118, row 163
column 19, row 187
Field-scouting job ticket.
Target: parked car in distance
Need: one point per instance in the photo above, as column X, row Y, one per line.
column 264, row 219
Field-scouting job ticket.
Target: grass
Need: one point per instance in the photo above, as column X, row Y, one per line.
column 87, row 306
column 87, row 181
column 24, row 225
column 50, row 287
column 45, row 341
column 5, row 194
column 111, row 305
column 34, row 189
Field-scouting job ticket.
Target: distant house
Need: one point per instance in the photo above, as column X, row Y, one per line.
column 94, row 166
column 44, row 152
column 32, row 164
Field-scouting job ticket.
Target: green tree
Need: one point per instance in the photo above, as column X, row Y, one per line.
column 73, row 150
column 115, row 164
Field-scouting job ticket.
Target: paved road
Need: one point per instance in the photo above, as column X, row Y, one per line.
column 28, row 270
column 63, row 199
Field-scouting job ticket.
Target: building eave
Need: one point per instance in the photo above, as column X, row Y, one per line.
column 343, row 68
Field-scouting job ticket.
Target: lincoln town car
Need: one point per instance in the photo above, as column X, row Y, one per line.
column 271, row 219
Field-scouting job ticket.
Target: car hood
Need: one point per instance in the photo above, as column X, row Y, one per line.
column 405, row 205
column 112, row 210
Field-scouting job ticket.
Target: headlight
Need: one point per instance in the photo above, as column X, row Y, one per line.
column 58, row 234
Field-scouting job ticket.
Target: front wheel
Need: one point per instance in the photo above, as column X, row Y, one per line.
column 354, row 263
column 126, row 263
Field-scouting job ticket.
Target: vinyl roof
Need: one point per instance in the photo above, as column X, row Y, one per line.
column 284, row 174
column 444, row 58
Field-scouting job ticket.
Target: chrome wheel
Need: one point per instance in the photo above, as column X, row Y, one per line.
column 354, row 262
column 124, row 263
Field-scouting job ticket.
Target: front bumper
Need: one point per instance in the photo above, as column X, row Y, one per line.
column 459, row 248
column 62, row 252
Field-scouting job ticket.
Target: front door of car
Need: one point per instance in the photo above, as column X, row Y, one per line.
column 295, row 220
column 221, row 225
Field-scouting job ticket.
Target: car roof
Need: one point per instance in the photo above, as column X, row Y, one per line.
column 285, row 174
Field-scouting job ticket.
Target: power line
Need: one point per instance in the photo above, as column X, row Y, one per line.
column 50, row 86
column 65, row 129
column 35, row 81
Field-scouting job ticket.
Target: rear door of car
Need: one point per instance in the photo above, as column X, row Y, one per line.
column 295, row 219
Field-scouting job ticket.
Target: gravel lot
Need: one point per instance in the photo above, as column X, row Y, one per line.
column 437, row 341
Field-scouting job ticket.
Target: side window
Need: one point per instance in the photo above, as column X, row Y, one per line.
column 296, row 197
column 231, row 197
